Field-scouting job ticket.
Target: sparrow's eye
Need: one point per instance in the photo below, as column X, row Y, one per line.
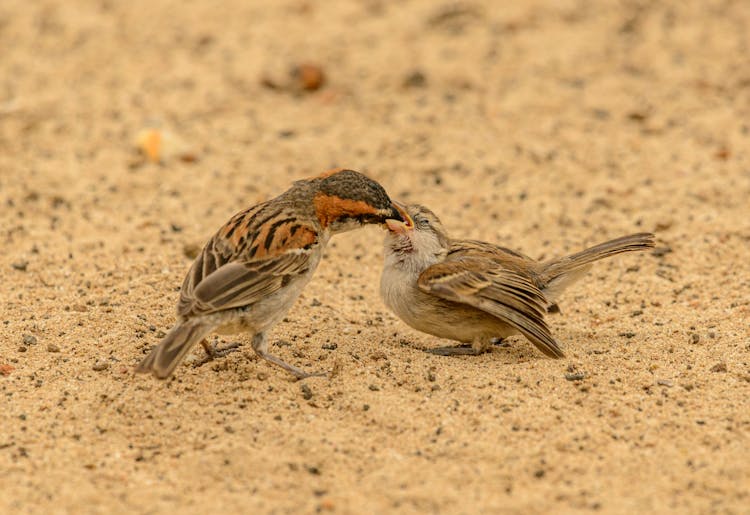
column 423, row 223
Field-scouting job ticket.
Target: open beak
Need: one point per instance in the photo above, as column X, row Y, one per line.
column 402, row 225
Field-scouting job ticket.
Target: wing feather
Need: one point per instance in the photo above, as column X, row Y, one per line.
column 500, row 292
column 247, row 260
column 236, row 284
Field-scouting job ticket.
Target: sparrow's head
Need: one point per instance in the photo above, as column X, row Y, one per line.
column 419, row 240
column 345, row 200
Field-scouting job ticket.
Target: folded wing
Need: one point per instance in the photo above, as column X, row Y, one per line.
column 215, row 284
column 500, row 292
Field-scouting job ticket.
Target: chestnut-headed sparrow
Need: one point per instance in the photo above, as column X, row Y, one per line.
column 253, row 269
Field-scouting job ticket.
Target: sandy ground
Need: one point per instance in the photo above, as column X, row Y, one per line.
column 541, row 125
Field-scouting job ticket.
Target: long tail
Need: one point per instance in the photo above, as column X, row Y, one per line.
column 558, row 274
column 165, row 357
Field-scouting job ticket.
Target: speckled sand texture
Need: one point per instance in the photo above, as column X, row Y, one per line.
column 540, row 125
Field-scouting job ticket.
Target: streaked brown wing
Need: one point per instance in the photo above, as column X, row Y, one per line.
column 503, row 293
column 207, row 262
column 256, row 253
column 502, row 257
column 460, row 247
column 238, row 284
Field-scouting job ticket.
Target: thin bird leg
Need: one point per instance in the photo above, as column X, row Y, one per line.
column 260, row 346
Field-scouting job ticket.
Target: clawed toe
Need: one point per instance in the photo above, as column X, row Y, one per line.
column 304, row 375
column 227, row 349
column 298, row 373
column 213, row 351
column 261, row 349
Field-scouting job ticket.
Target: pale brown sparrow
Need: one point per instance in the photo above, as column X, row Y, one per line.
column 253, row 269
column 475, row 292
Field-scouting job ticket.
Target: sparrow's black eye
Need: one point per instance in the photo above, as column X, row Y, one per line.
column 423, row 223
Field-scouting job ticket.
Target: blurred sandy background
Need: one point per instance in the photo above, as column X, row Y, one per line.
column 541, row 125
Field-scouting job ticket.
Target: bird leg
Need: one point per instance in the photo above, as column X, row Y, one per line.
column 260, row 346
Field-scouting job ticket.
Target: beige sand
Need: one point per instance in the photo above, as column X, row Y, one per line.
column 540, row 125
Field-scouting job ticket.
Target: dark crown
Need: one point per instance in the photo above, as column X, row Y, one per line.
column 351, row 185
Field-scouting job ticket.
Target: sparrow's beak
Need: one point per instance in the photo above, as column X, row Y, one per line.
column 396, row 212
column 403, row 223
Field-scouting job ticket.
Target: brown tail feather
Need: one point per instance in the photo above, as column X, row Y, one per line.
column 558, row 274
column 165, row 357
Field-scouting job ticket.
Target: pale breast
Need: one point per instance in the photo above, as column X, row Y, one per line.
column 436, row 316
column 268, row 311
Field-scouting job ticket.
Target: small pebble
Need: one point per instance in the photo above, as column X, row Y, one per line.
column 327, row 504
column 191, row 250
column 306, row 392
column 637, row 116
column 53, row 348
column 20, row 265
column 665, row 382
column 661, row 251
column 415, row 79
column 29, row 339
column 308, row 77
column 100, row 365
column 719, row 367
column 159, row 145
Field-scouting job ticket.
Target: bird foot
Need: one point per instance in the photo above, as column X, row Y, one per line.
column 305, row 375
column 213, row 351
column 459, row 350
column 296, row 372
column 500, row 342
